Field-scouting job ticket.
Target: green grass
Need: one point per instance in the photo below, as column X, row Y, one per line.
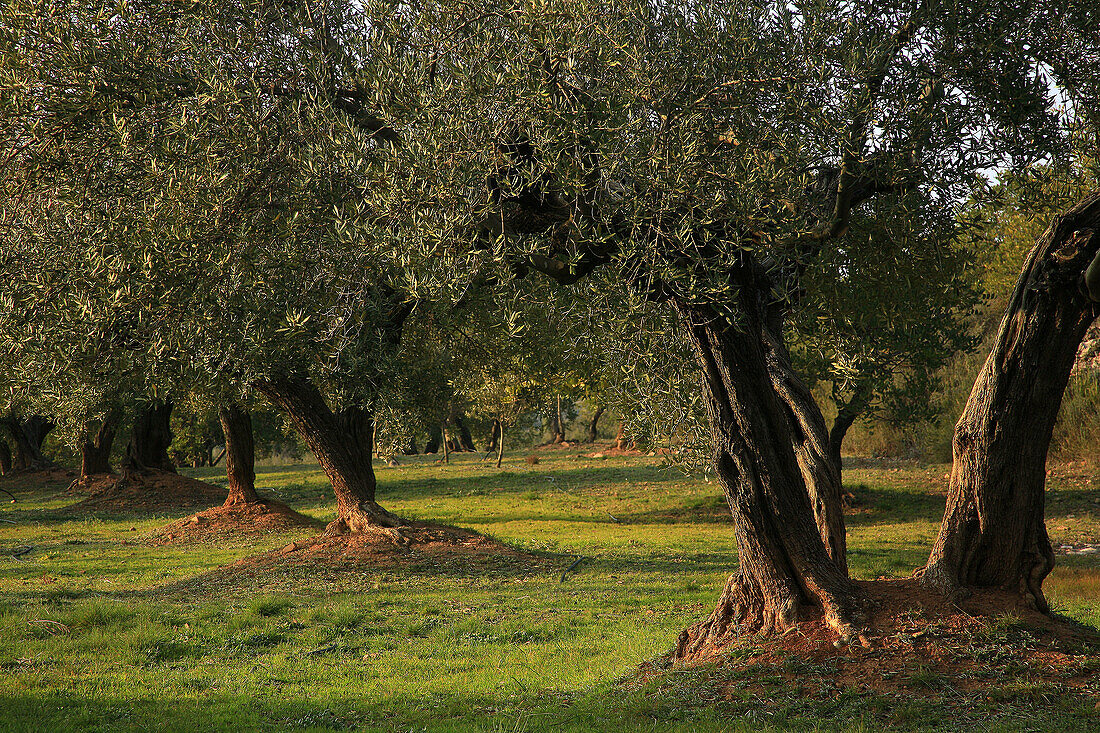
column 93, row 638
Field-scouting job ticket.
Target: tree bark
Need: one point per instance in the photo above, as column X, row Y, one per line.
column 993, row 532
column 151, row 437
column 446, row 444
column 558, row 424
column 435, row 438
column 343, row 446
column 95, row 448
column 465, row 440
column 36, row 429
column 27, row 437
column 810, row 440
column 845, row 417
column 500, row 441
column 784, row 566
column 592, row 426
column 621, row 438
column 494, row 436
column 240, row 454
column 5, row 457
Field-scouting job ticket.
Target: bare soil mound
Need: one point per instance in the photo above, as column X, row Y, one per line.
column 226, row 522
column 29, row 481
column 917, row 644
column 348, row 561
column 418, row 545
column 146, row 493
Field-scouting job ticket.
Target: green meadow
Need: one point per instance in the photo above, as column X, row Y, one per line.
column 101, row 630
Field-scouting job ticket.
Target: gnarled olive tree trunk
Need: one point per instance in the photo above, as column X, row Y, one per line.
column 435, row 439
column 150, row 438
column 465, row 439
column 622, row 440
column 343, row 444
column 5, row 457
column 494, row 436
column 993, row 532
column 810, row 441
column 557, row 424
column 240, row 454
column 27, row 437
column 95, row 447
column 784, row 566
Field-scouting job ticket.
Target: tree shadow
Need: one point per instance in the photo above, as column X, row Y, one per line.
column 514, row 707
column 877, row 505
column 1080, row 501
column 555, row 479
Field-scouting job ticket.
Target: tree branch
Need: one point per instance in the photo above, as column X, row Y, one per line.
column 849, row 178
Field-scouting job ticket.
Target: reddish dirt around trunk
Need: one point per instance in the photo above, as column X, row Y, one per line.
column 919, row 642
column 18, row 482
column 238, row 520
column 418, row 544
column 354, row 560
column 146, row 493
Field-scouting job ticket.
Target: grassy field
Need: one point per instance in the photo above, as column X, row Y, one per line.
column 95, row 633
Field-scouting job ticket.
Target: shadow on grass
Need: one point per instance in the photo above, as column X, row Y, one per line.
column 553, row 479
column 753, row 698
column 61, row 515
column 695, row 510
column 515, row 709
column 1083, row 502
column 889, row 506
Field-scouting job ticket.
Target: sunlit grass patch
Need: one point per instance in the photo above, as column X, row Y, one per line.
column 422, row 649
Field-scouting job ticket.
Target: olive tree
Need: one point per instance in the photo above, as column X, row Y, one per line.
column 200, row 194
column 709, row 153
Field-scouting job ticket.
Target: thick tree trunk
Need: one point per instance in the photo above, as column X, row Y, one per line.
column 784, row 566
column 993, row 532
column 95, row 448
column 435, row 439
column 465, row 440
column 5, row 457
column 27, row 437
column 622, row 442
column 500, row 441
column 810, row 440
column 593, row 425
column 446, row 444
column 36, row 429
column 343, row 446
column 151, row 437
column 240, row 454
